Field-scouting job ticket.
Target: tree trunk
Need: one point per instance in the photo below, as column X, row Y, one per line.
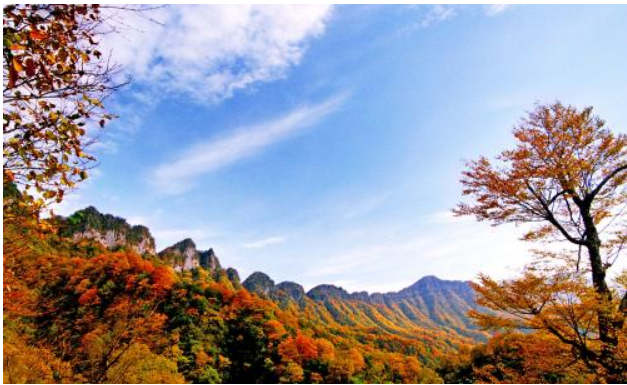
column 607, row 327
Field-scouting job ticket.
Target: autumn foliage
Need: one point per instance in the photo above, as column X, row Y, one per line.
column 117, row 317
column 76, row 312
column 55, row 80
column 566, row 181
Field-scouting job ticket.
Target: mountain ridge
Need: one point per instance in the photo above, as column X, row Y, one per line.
column 430, row 303
column 323, row 290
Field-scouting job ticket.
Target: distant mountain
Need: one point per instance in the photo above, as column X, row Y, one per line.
column 110, row 231
column 429, row 304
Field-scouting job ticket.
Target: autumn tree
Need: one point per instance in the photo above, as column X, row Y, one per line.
column 26, row 363
column 347, row 363
column 141, row 366
column 565, row 179
column 97, row 310
column 55, row 81
column 246, row 341
column 516, row 358
column 526, row 359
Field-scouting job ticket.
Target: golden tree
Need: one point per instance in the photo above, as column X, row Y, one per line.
column 566, row 178
column 55, row 81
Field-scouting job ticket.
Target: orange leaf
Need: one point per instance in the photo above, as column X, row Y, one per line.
column 17, row 64
column 36, row 34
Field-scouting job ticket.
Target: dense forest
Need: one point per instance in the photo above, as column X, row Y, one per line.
column 85, row 301
column 98, row 307
column 88, row 298
column 84, row 304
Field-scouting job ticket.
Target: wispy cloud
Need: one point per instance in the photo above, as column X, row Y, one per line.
column 438, row 13
column 265, row 242
column 205, row 157
column 496, row 9
column 432, row 15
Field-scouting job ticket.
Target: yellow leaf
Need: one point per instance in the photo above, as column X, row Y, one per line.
column 17, row 65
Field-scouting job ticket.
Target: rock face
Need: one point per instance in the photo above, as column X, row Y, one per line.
column 209, row 260
column 182, row 255
column 292, row 289
column 185, row 256
column 110, row 231
column 323, row 292
column 114, row 232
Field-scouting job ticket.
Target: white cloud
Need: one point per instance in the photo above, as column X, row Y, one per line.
column 431, row 15
column 438, row 13
column 205, row 157
column 208, row 52
column 496, row 9
column 265, row 242
column 71, row 203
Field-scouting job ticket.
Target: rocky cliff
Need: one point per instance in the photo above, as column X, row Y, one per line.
column 110, row 231
column 182, row 255
column 185, row 256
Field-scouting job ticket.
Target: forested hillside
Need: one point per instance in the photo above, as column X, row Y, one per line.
column 99, row 311
column 84, row 307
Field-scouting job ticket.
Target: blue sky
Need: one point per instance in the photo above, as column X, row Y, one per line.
column 325, row 145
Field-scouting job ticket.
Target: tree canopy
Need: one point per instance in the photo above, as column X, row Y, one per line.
column 566, row 177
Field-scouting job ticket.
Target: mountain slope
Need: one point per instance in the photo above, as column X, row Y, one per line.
column 428, row 304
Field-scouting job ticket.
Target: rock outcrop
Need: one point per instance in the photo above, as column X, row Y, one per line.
column 323, row 292
column 208, row 260
column 259, row 283
column 292, row 289
column 233, row 276
column 182, row 255
column 185, row 256
column 110, row 231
